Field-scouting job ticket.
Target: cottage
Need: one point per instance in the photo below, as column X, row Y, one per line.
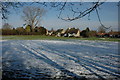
column 72, row 32
column 59, row 32
column 50, row 33
column 102, row 35
column 40, row 30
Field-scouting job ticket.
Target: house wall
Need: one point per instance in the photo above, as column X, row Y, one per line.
column 78, row 34
column 47, row 33
column 58, row 35
column 50, row 33
column 63, row 31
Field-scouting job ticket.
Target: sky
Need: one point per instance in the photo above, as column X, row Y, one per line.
column 108, row 14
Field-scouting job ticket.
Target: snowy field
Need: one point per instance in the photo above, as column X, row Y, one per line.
column 40, row 59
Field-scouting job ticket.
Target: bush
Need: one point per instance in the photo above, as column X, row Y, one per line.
column 26, row 31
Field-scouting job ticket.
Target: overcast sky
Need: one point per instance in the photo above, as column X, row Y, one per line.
column 108, row 14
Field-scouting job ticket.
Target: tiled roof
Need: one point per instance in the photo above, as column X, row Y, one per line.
column 72, row 30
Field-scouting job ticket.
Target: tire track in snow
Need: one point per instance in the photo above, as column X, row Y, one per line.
column 15, row 60
column 32, row 47
column 50, row 62
column 105, row 68
column 96, row 66
column 113, row 68
column 43, row 43
column 84, row 66
column 87, row 68
column 107, row 52
column 99, row 66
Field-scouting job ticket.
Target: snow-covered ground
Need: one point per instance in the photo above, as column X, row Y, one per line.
column 56, row 58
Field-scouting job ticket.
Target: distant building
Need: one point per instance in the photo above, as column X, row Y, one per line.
column 114, row 34
column 72, row 32
column 49, row 33
column 102, row 34
column 40, row 30
column 111, row 34
column 60, row 32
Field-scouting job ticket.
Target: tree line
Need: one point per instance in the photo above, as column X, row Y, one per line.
column 8, row 30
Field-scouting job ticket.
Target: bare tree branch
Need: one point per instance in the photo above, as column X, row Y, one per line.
column 100, row 20
column 84, row 13
column 6, row 6
column 61, row 7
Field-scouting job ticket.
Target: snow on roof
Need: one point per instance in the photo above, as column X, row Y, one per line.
column 72, row 30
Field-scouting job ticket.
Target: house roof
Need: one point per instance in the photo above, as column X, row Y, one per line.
column 40, row 27
column 101, row 33
column 72, row 30
column 59, row 30
column 114, row 33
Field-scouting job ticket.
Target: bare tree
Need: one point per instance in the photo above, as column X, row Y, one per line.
column 33, row 15
column 6, row 26
column 101, row 29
